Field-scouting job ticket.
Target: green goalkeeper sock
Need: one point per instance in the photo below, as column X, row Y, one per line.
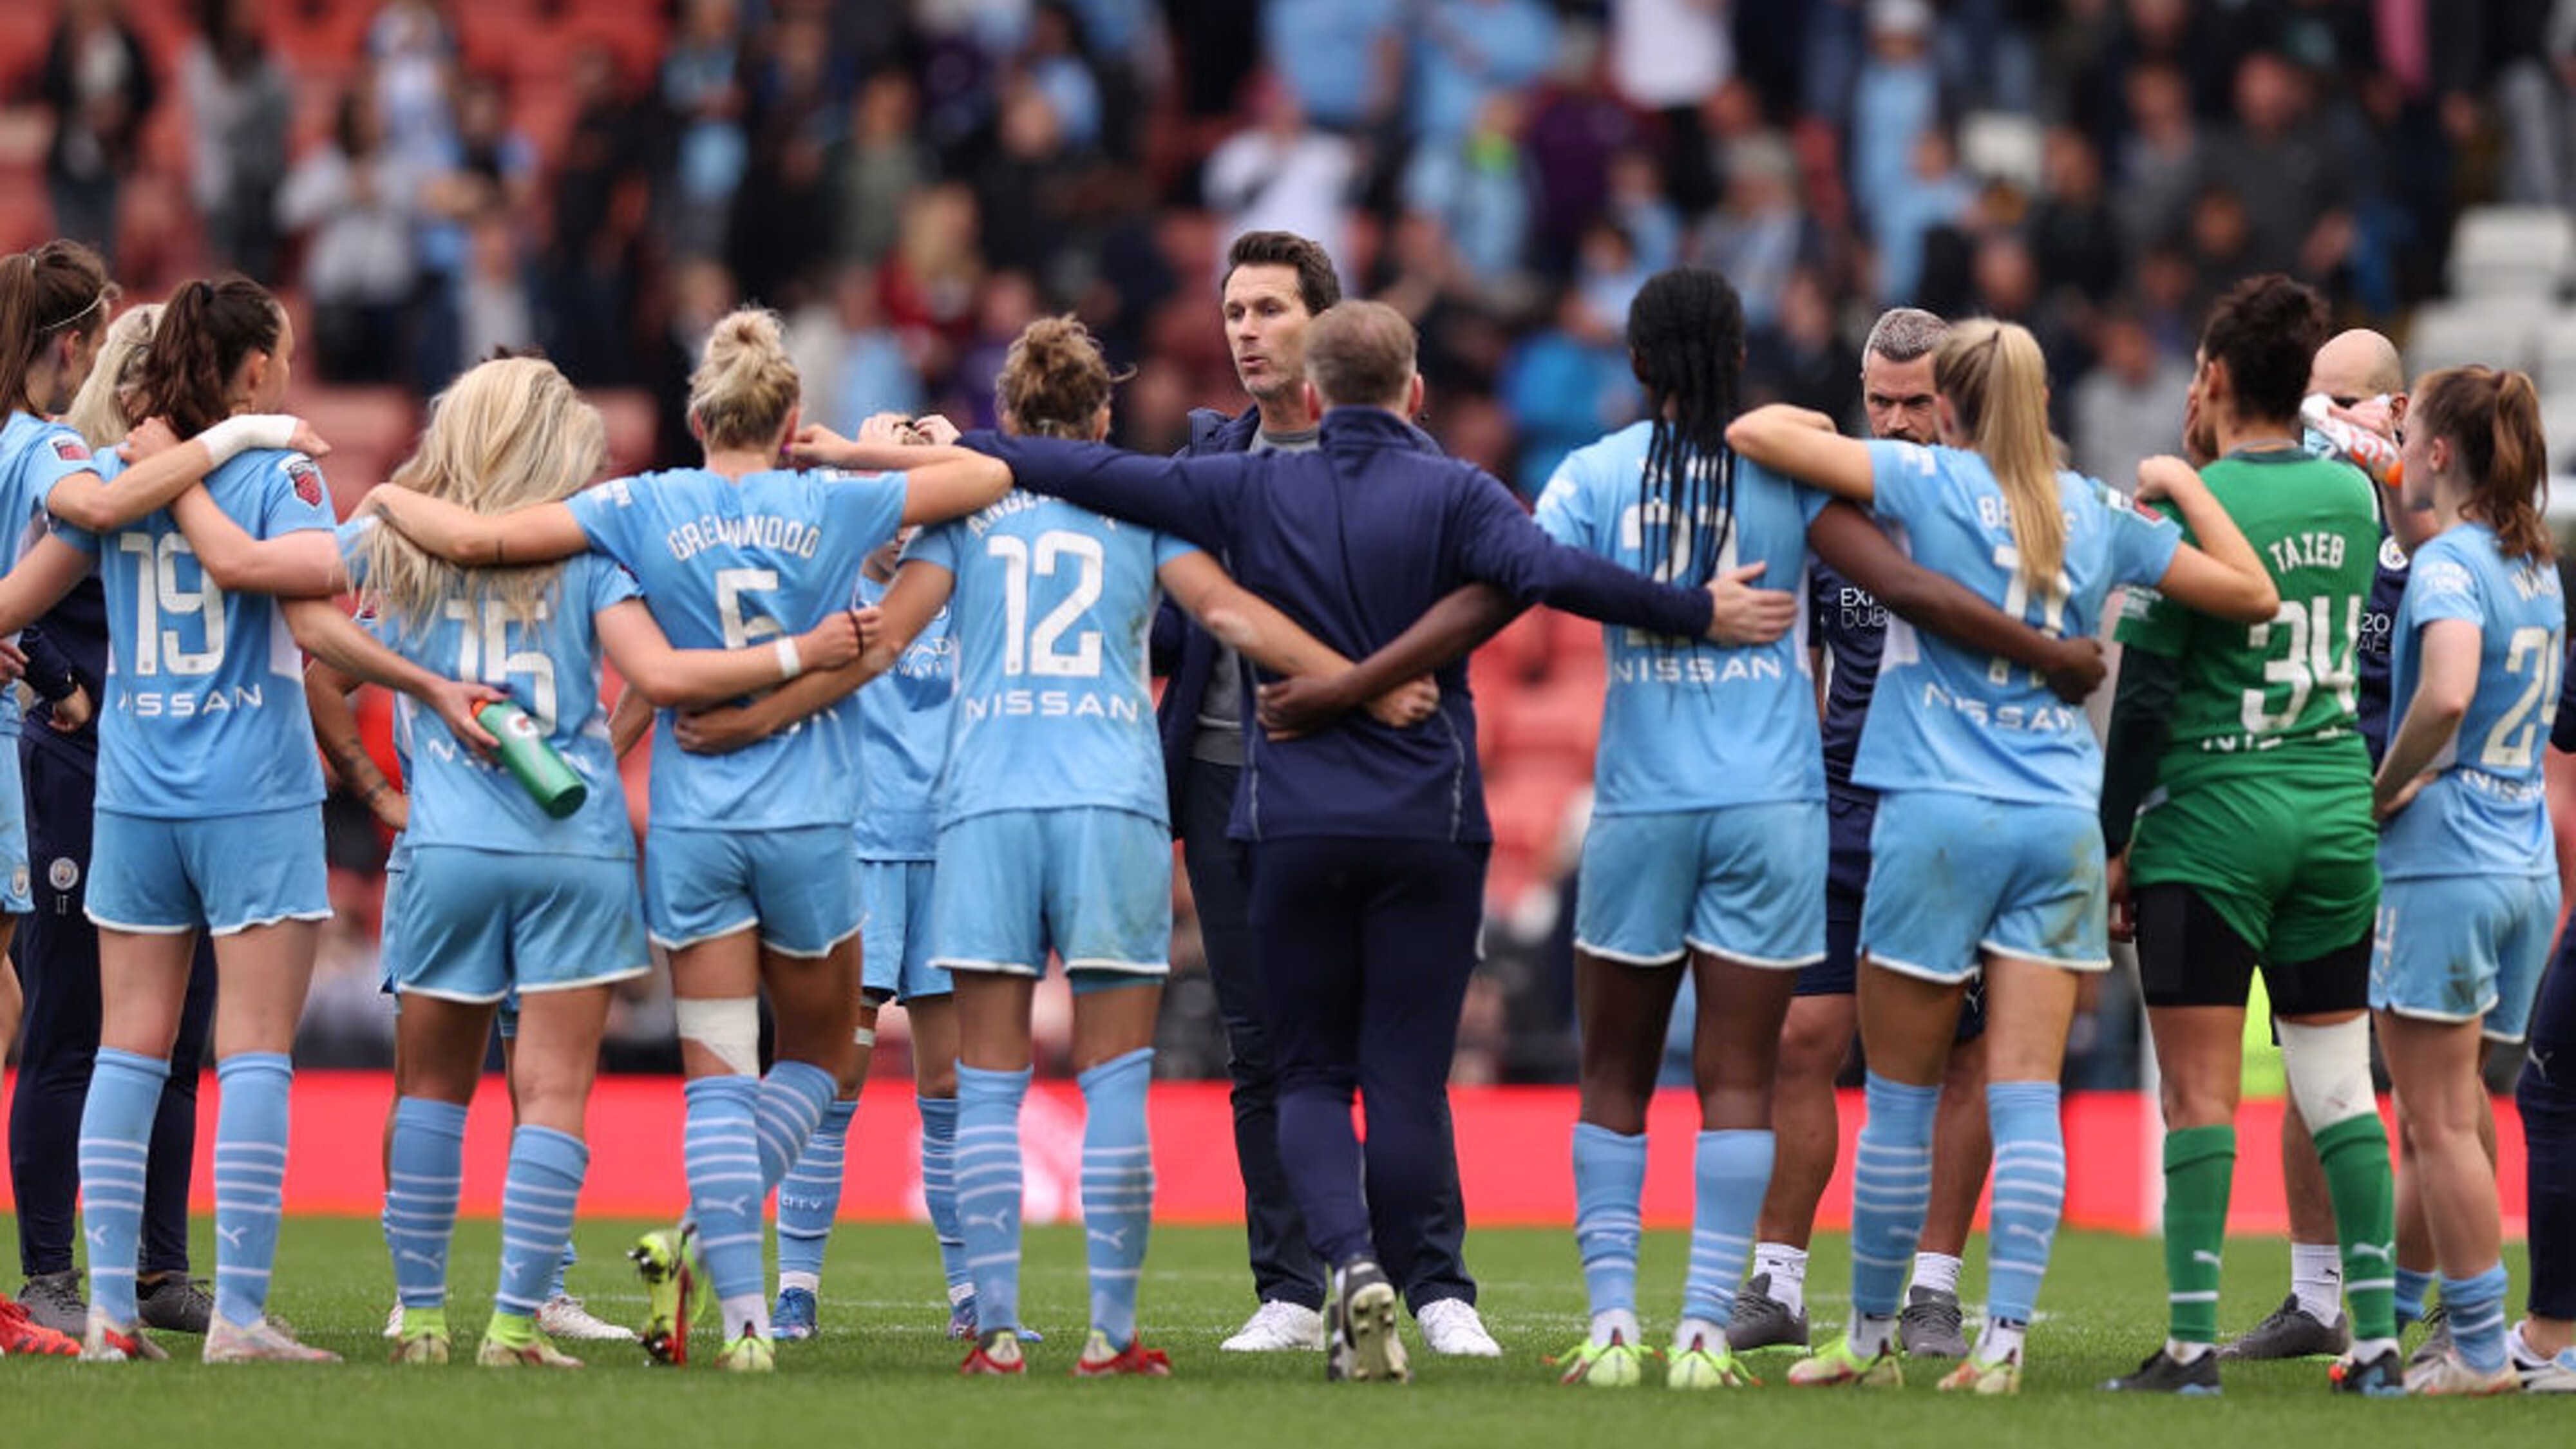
column 2200, row 1168
column 2354, row 1153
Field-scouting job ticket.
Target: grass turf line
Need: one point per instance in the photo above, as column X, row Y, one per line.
column 884, row 1371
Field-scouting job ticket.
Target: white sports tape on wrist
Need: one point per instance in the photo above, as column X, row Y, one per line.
column 728, row 1027
column 2329, row 1070
column 865, row 1036
column 789, row 666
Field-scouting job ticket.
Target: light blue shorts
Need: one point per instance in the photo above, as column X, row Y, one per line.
column 2461, row 948
column 894, row 935
column 1954, row 877
column 480, row 925
column 1095, row 885
column 222, row 874
column 794, row 884
column 1746, row 882
column 389, row 940
column 14, row 896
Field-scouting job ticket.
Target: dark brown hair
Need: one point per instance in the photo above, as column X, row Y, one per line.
column 1054, row 381
column 2493, row 419
column 206, row 330
column 2267, row 330
column 60, row 286
column 1318, row 286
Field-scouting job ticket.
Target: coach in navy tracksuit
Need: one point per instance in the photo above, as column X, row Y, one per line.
column 57, row 956
column 1368, row 844
column 1275, row 283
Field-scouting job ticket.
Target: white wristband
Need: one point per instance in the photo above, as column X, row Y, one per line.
column 789, row 666
column 236, row 435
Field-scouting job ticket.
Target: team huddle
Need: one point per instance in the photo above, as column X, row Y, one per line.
column 905, row 751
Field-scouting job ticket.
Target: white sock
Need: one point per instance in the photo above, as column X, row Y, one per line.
column 1871, row 1334
column 1999, row 1341
column 746, row 1313
column 2316, row 1278
column 2181, row 1352
column 810, row 1282
column 1938, row 1271
column 1788, row 1269
column 1694, row 1331
column 1615, row 1322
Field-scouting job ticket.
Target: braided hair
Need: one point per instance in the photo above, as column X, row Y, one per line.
column 1686, row 345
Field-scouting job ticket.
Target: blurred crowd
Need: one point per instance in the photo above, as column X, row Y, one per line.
column 911, row 181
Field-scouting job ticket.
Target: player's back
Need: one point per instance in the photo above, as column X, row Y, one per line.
column 204, row 712
column 549, row 666
column 1944, row 718
column 2286, row 689
column 2486, row 810
column 904, row 722
column 35, row 453
column 1689, row 724
column 726, row 563
column 1050, row 612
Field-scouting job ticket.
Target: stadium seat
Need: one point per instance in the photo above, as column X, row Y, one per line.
column 2521, row 252
column 2558, row 425
column 2494, row 330
column 2553, row 360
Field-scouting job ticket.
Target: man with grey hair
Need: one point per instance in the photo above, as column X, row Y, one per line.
column 1846, row 627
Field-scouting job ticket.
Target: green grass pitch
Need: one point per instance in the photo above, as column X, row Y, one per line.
column 884, row 1373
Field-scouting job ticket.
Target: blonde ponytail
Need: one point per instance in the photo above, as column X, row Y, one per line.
column 1995, row 380
column 745, row 385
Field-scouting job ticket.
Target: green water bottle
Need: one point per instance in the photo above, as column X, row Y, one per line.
column 526, row 755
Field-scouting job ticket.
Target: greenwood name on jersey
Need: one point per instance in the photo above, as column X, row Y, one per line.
column 726, row 563
column 1689, row 724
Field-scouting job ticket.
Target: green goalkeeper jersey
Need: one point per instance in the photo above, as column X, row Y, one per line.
column 2277, row 695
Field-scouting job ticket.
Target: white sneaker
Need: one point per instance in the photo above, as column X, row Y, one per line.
column 1451, row 1326
column 261, row 1342
column 1278, row 1326
column 563, row 1316
column 2556, row 1375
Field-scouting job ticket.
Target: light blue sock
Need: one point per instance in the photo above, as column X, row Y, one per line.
column 792, row 1099
column 939, row 1189
column 428, row 1170
column 988, row 1190
column 2030, row 1195
column 809, row 1197
column 1891, row 1191
column 1117, row 1188
column 2476, row 1306
column 537, row 1202
column 721, row 1149
column 2411, row 1287
column 563, row 1265
column 1730, row 1171
column 1609, row 1186
column 115, row 1130
column 250, row 1178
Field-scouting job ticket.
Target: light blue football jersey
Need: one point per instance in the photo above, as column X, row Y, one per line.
column 904, row 720
column 34, row 456
column 551, row 670
column 1687, row 724
column 2487, row 811
column 726, row 563
column 1946, row 719
column 204, row 712
column 1050, row 613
